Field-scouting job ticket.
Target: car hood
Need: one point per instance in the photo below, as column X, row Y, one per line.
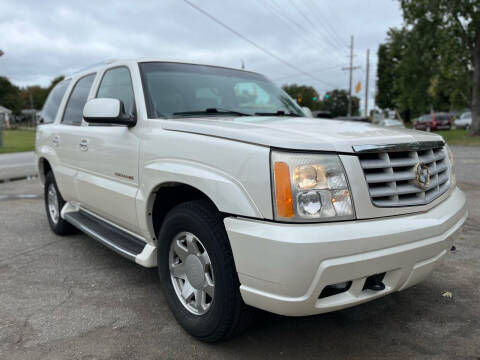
column 297, row 133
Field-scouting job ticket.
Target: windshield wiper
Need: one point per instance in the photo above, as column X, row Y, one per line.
column 211, row 111
column 278, row 113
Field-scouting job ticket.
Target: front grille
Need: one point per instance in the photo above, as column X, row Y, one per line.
column 391, row 177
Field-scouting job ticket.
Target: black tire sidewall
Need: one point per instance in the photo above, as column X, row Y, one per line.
column 61, row 227
column 202, row 326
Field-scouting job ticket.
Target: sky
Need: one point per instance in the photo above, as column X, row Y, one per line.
column 42, row 39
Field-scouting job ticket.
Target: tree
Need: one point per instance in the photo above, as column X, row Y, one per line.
column 33, row 97
column 9, row 95
column 417, row 74
column 305, row 95
column 55, row 82
column 454, row 27
column 17, row 99
column 385, row 97
column 336, row 102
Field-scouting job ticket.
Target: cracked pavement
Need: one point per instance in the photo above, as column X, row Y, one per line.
column 72, row 298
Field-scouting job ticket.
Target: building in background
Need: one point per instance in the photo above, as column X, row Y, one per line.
column 5, row 116
column 31, row 116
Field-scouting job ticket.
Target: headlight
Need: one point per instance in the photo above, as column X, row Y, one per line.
column 308, row 187
column 453, row 179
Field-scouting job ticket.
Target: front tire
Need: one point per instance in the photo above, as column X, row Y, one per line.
column 198, row 275
column 53, row 205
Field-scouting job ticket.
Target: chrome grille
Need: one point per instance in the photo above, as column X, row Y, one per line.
column 391, row 177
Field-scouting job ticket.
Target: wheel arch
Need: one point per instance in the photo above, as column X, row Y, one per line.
column 165, row 196
column 177, row 181
column 43, row 168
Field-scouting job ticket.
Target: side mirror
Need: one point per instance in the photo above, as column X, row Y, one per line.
column 307, row 112
column 107, row 111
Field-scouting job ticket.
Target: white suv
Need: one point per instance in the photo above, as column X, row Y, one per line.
column 216, row 176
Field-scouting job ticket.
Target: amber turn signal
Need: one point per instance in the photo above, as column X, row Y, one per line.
column 283, row 190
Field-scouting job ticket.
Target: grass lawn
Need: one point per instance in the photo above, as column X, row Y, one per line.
column 459, row 137
column 17, row 141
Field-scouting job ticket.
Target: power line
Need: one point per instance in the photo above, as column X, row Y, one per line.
column 327, row 26
column 303, row 15
column 310, row 71
column 317, row 39
column 285, row 20
column 269, row 53
column 276, row 12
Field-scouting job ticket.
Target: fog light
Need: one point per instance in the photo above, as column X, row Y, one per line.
column 335, row 289
column 341, row 286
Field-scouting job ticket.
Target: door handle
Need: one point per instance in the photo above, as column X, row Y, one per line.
column 56, row 140
column 83, row 145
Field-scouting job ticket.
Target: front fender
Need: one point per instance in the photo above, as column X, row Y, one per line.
column 228, row 194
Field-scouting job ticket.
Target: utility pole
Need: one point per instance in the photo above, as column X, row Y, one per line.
column 350, row 68
column 366, row 82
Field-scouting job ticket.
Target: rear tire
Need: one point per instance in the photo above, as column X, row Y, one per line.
column 222, row 315
column 53, row 205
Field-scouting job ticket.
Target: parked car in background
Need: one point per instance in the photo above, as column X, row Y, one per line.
column 353, row 118
column 322, row 114
column 464, row 122
column 435, row 121
column 455, row 114
column 391, row 123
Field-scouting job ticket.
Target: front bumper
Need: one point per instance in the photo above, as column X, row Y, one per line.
column 283, row 268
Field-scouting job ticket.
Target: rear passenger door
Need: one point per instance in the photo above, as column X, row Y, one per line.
column 107, row 180
column 66, row 136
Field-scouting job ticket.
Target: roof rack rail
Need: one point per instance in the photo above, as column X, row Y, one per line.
column 103, row 62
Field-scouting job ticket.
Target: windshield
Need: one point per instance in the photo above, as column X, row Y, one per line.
column 466, row 115
column 173, row 90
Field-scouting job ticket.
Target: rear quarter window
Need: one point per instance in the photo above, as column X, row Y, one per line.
column 50, row 109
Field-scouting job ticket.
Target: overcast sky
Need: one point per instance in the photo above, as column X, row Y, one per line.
column 44, row 39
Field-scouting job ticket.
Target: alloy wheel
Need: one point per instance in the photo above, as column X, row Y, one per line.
column 191, row 273
column 52, row 202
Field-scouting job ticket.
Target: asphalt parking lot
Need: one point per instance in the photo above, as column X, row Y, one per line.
column 72, row 298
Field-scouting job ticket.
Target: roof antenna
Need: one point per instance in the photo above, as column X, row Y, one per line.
column 243, row 64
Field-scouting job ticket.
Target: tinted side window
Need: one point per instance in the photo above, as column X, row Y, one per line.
column 74, row 110
column 54, row 99
column 117, row 84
